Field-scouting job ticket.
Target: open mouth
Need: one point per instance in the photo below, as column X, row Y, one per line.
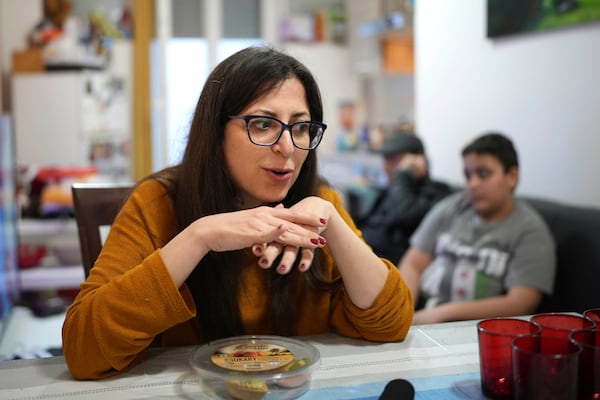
column 280, row 172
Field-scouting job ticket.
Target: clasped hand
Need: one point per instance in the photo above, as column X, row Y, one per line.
column 312, row 214
column 271, row 232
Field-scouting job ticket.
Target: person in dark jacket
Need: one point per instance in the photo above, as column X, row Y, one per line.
column 410, row 194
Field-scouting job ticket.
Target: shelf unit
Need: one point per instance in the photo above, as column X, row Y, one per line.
column 60, row 277
column 50, row 274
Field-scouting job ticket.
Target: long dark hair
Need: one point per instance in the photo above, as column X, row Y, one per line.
column 200, row 185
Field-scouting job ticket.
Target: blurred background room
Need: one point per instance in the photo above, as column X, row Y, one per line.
column 103, row 91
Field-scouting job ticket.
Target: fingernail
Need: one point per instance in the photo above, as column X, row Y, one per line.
column 257, row 249
column 322, row 241
column 323, row 221
column 302, row 267
column 315, row 241
column 281, row 268
column 264, row 262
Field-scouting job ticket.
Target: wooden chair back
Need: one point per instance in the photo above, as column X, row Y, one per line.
column 96, row 206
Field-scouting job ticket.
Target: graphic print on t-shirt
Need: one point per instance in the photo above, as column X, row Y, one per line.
column 464, row 271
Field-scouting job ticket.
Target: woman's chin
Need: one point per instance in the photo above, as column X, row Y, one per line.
column 273, row 201
column 274, row 197
column 265, row 201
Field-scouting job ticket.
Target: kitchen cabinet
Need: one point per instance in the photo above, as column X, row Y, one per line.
column 47, row 118
column 59, row 116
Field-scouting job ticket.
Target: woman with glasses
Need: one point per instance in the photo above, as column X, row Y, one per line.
column 241, row 237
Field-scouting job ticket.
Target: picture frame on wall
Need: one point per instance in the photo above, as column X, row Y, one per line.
column 511, row 17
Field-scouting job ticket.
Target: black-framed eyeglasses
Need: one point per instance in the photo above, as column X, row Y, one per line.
column 266, row 131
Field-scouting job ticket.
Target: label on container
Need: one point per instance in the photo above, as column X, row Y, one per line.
column 252, row 357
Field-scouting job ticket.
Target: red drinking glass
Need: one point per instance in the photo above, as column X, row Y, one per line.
column 560, row 324
column 589, row 362
column 545, row 367
column 593, row 314
column 495, row 355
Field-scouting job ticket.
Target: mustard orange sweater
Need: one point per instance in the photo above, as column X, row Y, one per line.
column 129, row 297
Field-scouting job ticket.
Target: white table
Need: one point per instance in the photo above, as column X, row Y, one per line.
column 440, row 360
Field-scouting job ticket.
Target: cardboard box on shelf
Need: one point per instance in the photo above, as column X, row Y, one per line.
column 398, row 54
column 27, row 61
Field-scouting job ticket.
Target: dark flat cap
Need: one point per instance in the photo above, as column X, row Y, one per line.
column 401, row 142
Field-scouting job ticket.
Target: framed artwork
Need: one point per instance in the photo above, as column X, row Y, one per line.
column 509, row 17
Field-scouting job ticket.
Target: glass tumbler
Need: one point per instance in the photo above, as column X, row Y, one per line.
column 589, row 362
column 560, row 324
column 593, row 314
column 495, row 356
column 545, row 367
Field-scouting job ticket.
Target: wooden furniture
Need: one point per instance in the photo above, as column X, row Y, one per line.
column 96, row 206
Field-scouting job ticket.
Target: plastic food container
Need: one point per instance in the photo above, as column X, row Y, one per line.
column 256, row 367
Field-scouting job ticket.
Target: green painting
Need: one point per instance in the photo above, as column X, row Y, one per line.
column 509, row 17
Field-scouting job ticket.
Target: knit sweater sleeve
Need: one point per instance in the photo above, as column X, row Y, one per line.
column 390, row 316
column 129, row 297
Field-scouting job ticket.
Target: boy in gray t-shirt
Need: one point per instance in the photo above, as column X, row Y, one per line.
column 480, row 252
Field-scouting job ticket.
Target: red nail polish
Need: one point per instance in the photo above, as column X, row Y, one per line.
column 323, row 221
column 322, row 241
column 281, row 268
column 314, row 241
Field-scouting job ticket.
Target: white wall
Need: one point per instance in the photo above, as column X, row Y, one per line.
column 542, row 90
